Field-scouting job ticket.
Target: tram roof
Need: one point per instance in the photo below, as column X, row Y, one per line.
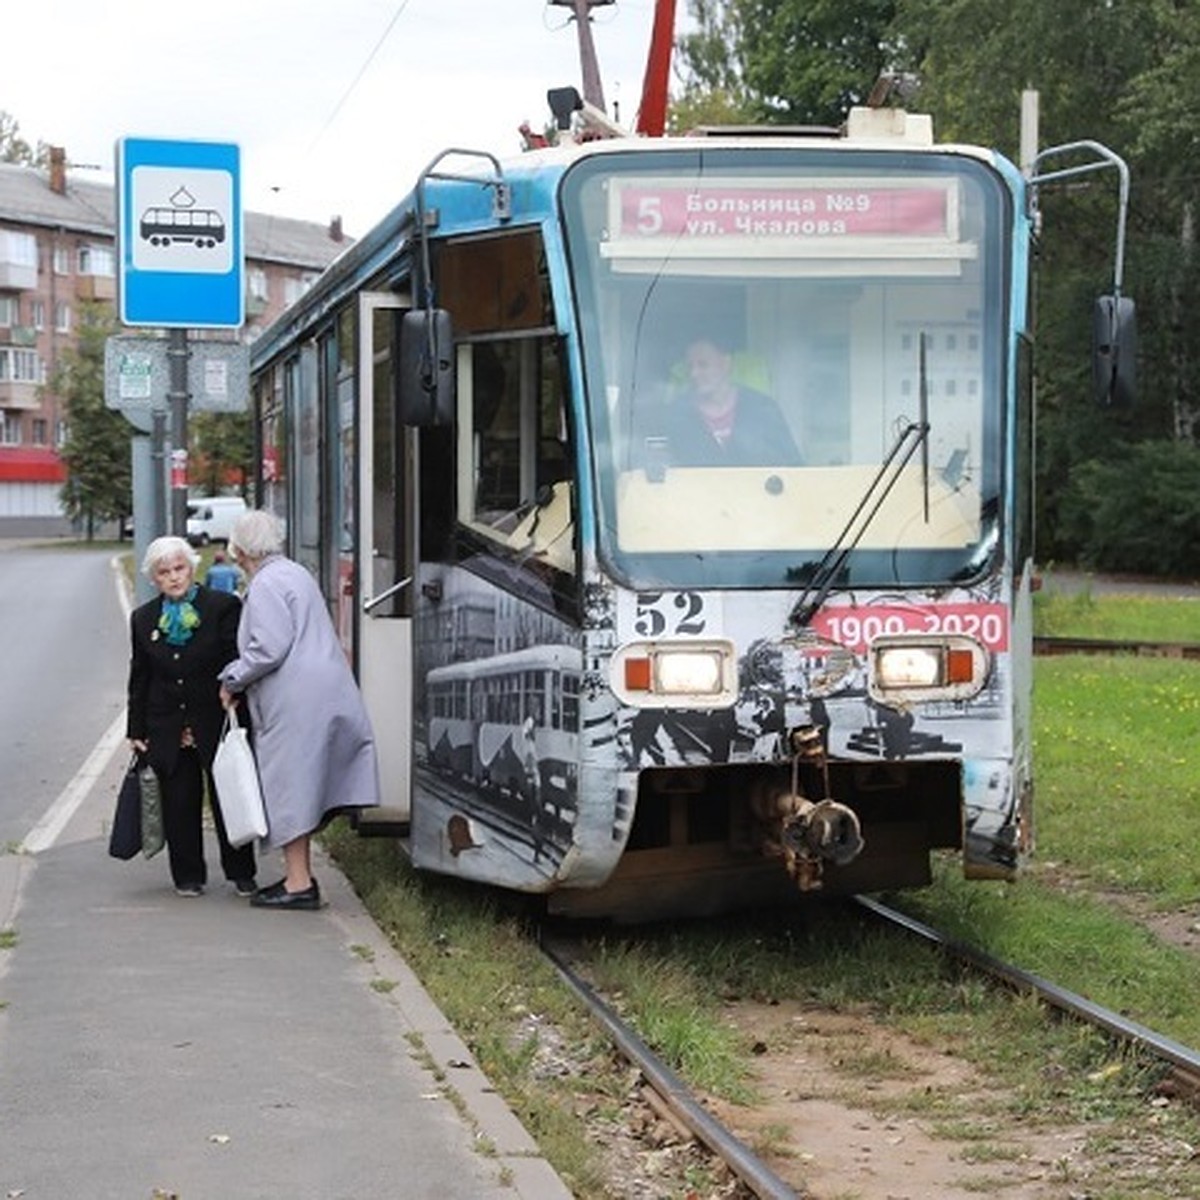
column 382, row 257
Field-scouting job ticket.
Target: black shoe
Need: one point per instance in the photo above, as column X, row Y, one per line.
column 306, row 901
column 245, row 887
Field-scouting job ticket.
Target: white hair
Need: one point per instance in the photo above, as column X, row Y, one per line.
column 256, row 534
column 163, row 548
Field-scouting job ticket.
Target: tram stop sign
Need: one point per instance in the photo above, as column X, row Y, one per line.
column 180, row 260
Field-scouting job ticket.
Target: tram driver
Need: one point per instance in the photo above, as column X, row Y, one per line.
column 718, row 421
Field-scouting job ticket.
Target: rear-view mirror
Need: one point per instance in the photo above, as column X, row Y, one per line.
column 425, row 375
column 1114, row 351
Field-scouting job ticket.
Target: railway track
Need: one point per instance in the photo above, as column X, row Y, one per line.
column 1049, row 646
column 672, row 1091
column 758, row 1177
column 1184, row 1061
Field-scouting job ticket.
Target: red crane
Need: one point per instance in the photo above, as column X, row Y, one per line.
column 652, row 112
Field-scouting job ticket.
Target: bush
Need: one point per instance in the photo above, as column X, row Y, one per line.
column 1138, row 513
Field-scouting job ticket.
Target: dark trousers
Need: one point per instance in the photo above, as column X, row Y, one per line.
column 183, row 809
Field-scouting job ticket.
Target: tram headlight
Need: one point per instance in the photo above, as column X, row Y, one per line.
column 652, row 674
column 908, row 669
column 681, row 672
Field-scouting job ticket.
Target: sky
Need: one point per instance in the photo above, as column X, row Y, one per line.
column 336, row 106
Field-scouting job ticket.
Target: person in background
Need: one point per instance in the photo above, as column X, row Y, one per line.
column 222, row 576
column 312, row 738
column 180, row 640
column 718, row 422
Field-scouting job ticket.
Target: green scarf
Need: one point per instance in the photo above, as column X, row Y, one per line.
column 178, row 618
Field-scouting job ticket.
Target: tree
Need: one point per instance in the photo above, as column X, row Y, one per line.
column 96, row 451
column 802, row 62
column 1160, row 111
column 15, row 149
column 1139, row 512
column 222, row 450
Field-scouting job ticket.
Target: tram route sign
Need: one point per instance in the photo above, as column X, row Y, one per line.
column 180, row 260
column 137, row 377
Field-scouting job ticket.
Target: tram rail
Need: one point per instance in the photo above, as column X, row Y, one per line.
column 1183, row 1059
column 682, row 1106
column 672, row 1091
column 1050, row 646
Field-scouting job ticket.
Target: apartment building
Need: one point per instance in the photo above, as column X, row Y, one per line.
column 57, row 251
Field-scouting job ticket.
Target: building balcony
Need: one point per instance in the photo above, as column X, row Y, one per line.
column 14, row 394
column 96, row 287
column 17, row 276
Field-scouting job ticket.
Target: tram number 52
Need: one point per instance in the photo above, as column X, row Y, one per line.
column 670, row 614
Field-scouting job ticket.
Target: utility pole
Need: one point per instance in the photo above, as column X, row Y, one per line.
column 593, row 90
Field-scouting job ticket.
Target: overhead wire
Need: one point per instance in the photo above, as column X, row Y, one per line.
column 337, row 108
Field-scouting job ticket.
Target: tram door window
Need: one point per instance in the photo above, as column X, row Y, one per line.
column 272, row 410
column 305, row 522
column 389, row 475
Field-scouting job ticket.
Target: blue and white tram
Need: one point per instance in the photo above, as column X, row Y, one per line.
column 683, row 679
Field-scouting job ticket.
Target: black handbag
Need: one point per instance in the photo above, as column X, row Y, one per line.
column 125, row 839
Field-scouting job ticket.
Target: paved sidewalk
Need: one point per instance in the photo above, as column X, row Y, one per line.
column 213, row 1051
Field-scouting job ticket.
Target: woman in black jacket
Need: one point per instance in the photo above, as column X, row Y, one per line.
column 180, row 640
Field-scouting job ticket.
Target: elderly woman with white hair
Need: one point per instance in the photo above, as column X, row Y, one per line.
column 180, row 641
column 312, row 737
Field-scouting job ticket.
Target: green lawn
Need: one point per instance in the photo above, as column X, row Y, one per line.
column 1142, row 618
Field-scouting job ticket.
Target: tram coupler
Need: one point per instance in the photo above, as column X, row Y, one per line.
column 806, row 833
column 823, row 830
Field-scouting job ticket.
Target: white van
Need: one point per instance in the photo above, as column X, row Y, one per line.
column 211, row 518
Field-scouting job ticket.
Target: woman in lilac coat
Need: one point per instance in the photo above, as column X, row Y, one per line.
column 312, row 737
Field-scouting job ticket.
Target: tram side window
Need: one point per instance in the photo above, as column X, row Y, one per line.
column 513, row 459
column 514, row 463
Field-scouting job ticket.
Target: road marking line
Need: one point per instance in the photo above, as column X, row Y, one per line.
column 45, row 833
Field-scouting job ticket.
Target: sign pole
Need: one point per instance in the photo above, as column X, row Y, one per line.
column 177, row 358
column 158, row 471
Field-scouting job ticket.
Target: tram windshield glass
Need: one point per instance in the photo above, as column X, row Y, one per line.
column 766, row 334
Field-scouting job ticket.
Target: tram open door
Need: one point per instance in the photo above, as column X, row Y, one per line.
column 386, row 502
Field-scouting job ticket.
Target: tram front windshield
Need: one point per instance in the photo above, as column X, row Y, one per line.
column 793, row 358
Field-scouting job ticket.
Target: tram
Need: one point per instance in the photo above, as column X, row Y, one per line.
column 643, row 678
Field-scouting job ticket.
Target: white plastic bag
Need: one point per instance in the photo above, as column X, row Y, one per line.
column 238, row 792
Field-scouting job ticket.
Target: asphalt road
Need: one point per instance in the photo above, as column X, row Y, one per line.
column 66, row 654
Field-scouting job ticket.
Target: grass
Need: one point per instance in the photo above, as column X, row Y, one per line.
column 1145, row 618
column 1118, row 790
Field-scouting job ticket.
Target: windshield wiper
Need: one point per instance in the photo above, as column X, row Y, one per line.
column 914, row 436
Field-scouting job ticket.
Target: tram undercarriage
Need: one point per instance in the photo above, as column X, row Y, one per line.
column 704, row 842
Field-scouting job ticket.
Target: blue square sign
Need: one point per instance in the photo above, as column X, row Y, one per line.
column 179, row 234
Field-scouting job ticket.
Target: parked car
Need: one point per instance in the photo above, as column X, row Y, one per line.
column 211, row 518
